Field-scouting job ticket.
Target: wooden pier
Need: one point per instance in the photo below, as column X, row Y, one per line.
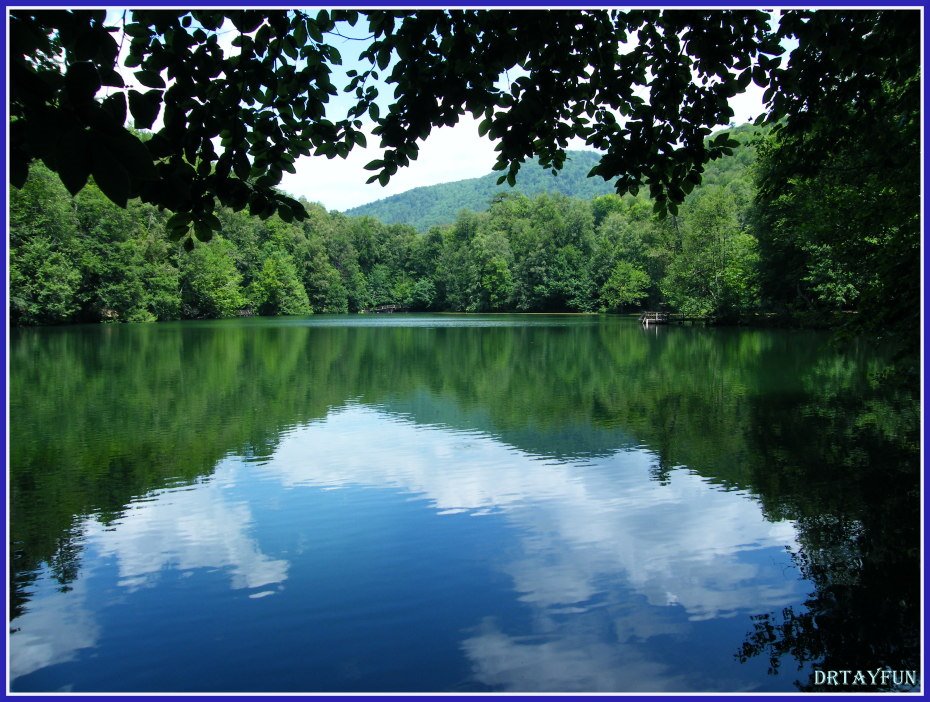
column 386, row 309
column 650, row 318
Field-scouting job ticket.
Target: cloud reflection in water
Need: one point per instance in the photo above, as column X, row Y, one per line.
column 597, row 541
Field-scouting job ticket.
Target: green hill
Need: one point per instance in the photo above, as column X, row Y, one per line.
column 438, row 204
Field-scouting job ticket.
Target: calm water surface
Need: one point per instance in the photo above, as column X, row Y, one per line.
column 456, row 503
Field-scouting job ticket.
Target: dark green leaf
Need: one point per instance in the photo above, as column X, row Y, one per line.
column 73, row 160
column 150, row 79
column 19, row 169
column 109, row 174
column 203, row 231
column 179, row 233
column 313, row 30
column 300, row 33
column 110, row 77
column 384, row 57
column 135, row 29
column 82, row 81
column 115, row 105
column 241, row 166
column 144, row 107
column 257, row 204
column 178, row 222
column 742, row 80
column 246, row 21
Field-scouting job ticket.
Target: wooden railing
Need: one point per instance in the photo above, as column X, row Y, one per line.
column 650, row 318
column 386, row 309
column 647, row 318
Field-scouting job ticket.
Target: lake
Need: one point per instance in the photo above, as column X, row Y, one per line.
column 458, row 503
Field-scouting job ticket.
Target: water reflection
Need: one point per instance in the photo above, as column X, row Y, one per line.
column 562, row 505
column 54, row 629
column 171, row 530
column 596, row 542
column 198, row 527
column 680, row 544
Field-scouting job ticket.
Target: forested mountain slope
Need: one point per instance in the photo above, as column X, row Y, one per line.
column 430, row 205
column 439, row 204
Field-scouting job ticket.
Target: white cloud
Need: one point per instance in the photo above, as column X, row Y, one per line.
column 187, row 529
column 54, row 628
column 748, row 105
column 682, row 544
column 573, row 661
column 184, row 529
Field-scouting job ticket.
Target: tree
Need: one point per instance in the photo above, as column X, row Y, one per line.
column 422, row 295
column 324, row 286
column 44, row 273
column 43, row 284
column 211, row 285
column 715, row 274
column 839, row 187
column 576, row 74
column 627, row 285
column 552, row 253
column 277, row 288
column 490, row 282
column 121, row 290
column 621, row 236
column 379, row 285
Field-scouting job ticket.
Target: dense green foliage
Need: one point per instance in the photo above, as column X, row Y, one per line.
column 83, row 259
column 233, row 119
column 669, row 74
column 735, row 248
column 839, row 191
column 829, row 224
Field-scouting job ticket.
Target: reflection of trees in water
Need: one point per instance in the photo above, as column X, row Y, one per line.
column 778, row 413
column 847, row 472
column 863, row 615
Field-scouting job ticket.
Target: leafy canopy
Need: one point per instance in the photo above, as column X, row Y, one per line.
column 646, row 87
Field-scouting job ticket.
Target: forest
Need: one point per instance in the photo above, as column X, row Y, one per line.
column 815, row 218
column 147, row 149
column 729, row 253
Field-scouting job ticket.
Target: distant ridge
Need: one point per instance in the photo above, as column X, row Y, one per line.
column 439, row 204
